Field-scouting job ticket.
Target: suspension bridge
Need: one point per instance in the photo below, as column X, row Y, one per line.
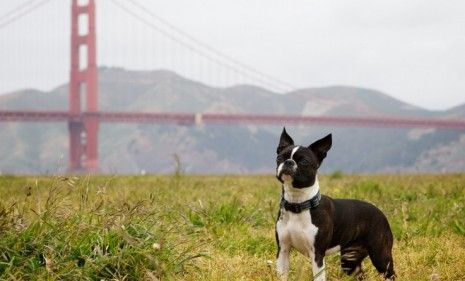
column 84, row 117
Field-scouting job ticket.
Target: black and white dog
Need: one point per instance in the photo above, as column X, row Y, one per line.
column 317, row 225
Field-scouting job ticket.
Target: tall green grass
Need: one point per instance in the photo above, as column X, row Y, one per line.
column 209, row 228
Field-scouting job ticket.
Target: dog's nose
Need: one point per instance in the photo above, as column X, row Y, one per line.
column 289, row 162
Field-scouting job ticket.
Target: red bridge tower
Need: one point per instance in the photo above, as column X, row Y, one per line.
column 83, row 128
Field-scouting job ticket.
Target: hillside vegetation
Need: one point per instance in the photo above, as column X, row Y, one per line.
column 209, row 228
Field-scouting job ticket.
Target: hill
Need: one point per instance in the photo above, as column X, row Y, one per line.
column 131, row 148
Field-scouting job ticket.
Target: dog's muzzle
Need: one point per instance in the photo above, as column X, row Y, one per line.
column 287, row 168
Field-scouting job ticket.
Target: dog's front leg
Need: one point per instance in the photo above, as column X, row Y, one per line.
column 318, row 266
column 282, row 263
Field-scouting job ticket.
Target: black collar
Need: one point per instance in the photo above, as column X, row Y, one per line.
column 311, row 203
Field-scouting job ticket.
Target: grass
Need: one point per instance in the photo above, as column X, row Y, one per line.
column 209, row 228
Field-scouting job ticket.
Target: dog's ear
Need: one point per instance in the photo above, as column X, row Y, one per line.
column 284, row 141
column 321, row 147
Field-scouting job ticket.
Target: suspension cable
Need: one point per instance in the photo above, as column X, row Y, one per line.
column 20, row 12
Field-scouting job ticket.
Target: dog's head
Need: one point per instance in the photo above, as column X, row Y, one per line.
column 299, row 164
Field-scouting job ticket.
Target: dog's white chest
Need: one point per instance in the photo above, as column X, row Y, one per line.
column 297, row 231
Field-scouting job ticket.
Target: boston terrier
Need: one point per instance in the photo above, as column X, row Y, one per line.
column 317, row 225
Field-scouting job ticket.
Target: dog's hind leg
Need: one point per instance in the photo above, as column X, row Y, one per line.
column 380, row 250
column 382, row 260
column 384, row 264
column 351, row 260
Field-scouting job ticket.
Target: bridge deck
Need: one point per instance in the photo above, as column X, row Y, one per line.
column 239, row 118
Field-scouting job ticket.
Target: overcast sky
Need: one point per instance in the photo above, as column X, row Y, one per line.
column 410, row 49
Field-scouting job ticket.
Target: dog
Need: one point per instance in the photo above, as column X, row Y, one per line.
column 317, row 225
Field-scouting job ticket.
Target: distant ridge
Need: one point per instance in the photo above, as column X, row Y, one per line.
column 125, row 148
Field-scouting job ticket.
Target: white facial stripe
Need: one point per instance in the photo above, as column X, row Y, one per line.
column 280, row 167
column 294, row 150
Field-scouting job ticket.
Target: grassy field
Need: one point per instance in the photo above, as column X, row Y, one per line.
column 209, row 228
